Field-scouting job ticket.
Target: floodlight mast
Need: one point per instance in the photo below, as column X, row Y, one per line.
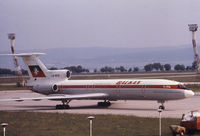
column 193, row 28
column 11, row 36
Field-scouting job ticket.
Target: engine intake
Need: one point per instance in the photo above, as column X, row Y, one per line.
column 55, row 88
column 60, row 74
column 68, row 74
column 46, row 89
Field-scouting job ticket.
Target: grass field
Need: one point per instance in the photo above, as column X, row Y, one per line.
column 58, row 124
column 11, row 87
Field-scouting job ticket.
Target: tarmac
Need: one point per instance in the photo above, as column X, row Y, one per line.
column 174, row 109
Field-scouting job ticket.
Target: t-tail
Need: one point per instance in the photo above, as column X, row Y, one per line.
column 37, row 70
column 35, row 67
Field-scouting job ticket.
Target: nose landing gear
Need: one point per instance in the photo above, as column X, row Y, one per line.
column 162, row 107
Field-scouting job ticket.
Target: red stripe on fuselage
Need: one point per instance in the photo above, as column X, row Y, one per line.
column 121, row 86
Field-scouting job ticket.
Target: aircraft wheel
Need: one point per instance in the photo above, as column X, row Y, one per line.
column 162, row 107
column 103, row 104
column 62, row 107
column 108, row 103
column 58, row 106
column 100, row 104
column 66, row 107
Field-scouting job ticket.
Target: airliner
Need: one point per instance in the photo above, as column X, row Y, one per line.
column 56, row 85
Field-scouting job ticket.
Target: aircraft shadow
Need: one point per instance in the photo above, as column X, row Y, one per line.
column 39, row 107
column 44, row 107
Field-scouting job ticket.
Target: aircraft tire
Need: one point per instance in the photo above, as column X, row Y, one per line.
column 100, row 104
column 62, row 107
column 103, row 104
column 162, row 107
column 108, row 103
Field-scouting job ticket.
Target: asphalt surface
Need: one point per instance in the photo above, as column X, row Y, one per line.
column 174, row 109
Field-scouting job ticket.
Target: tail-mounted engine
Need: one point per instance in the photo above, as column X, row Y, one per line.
column 55, row 88
column 46, row 89
column 59, row 74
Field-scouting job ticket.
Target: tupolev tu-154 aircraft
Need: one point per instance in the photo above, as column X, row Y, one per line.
column 55, row 85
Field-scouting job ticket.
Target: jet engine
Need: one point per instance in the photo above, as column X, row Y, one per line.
column 54, row 88
column 60, row 74
column 46, row 89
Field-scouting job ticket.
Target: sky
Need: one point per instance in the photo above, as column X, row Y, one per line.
column 43, row 24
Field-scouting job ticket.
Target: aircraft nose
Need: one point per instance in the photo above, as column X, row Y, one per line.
column 188, row 93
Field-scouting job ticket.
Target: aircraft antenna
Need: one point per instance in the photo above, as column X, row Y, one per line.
column 21, row 81
column 193, row 29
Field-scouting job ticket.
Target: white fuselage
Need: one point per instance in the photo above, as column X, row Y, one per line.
column 118, row 89
column 55, row 84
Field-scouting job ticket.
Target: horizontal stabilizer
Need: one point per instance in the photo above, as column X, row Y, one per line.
column 24, row 54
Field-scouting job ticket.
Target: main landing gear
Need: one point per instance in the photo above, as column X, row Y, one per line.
column 65, row 105
column 104, row 104
column 162, row 107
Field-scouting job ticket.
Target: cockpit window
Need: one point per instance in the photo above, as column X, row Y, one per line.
column 181, row 86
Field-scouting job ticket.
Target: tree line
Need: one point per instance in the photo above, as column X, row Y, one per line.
column 168, row 67
column 120, row 69
column 5, row 71
column 73, row 69
column 106, row 69
column 149, row 68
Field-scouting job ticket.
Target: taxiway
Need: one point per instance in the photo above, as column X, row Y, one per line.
column 174, row 109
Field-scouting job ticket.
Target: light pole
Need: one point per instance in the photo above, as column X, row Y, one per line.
column 4, row 128
column 193, row 28
column 90, row 118
column 21, row 80
column 160, row 111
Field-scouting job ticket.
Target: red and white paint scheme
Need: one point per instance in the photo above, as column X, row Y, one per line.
column 55, row 85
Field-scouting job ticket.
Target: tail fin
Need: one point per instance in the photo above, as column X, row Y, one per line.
column 36, row 68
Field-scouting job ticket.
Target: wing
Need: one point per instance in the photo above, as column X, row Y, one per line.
column 61, row 97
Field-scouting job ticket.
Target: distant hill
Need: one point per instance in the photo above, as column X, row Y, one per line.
column 98, row 57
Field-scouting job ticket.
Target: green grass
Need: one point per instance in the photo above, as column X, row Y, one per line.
column 58, row 124
column 11, row 87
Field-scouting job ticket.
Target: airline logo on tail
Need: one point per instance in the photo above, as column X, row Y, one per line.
column 36, row 71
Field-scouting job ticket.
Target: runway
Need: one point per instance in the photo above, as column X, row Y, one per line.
column 174, row 109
